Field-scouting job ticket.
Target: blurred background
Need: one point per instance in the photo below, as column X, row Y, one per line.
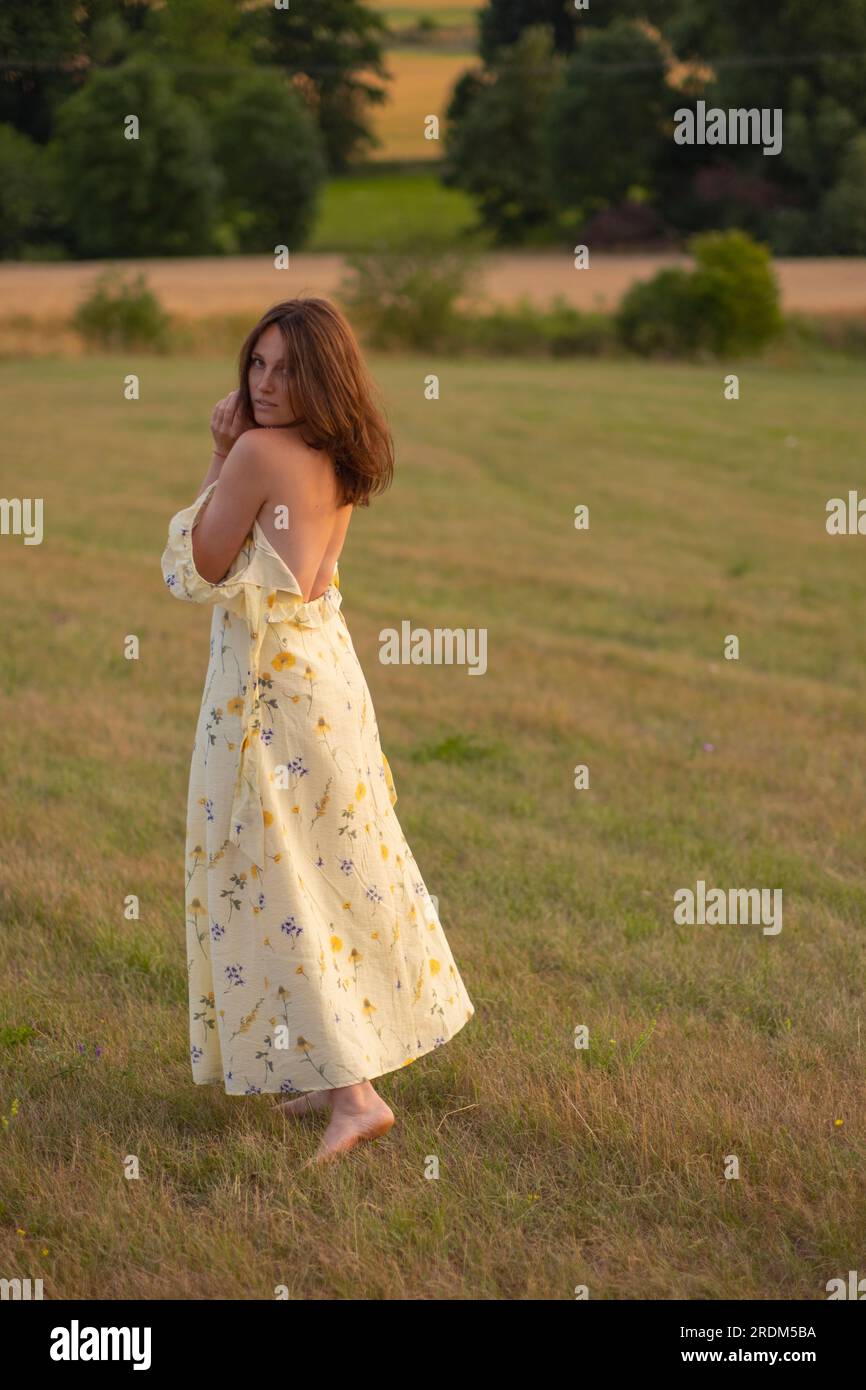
column 694, row 377
column 512, row 131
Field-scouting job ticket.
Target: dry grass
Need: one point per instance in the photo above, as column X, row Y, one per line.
column 556, row 1168
column 38, row 299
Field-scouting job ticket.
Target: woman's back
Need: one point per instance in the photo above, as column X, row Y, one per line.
column 301, row 516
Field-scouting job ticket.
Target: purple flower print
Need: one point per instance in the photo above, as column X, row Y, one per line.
column 347, row 865
column 290, row 927
column 196, row 1053
column 233, row 974
column 216, row 931
column 374, row 895
column 208, row 806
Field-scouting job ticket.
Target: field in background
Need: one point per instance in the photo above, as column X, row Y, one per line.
column 361, row 211
column 604, row 648
column 420, row 86
column 37, row 299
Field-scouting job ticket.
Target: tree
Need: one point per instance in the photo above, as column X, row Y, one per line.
column 804, row 59
column 497, row 149
column 843, row 213
column 605, row 123
column 27, row 196
column 42, row 47
column 270, row 154
column 503, row 22
column 156, row 195
column 335, row 46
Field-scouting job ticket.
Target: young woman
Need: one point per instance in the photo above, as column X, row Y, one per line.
column 316, row 958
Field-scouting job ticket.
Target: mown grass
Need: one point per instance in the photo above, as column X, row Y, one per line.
column 363, row 211
column 557, row 1168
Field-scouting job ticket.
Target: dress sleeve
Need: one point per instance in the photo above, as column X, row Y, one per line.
column 178, row 566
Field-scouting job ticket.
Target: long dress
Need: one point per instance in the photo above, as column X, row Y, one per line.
column 315, row 954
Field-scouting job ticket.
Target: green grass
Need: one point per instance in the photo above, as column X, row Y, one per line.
column 359, row 212
column 557, row 1168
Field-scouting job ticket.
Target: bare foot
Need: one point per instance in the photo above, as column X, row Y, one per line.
column 307, row 1104
column 357, row 1113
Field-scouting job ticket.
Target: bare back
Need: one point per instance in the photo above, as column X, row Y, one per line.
column 302, row 480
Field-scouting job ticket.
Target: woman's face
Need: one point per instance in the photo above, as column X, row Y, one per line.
column 269, row 380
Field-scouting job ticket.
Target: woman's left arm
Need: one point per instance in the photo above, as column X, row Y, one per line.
column 226, row 519
column 216, row 463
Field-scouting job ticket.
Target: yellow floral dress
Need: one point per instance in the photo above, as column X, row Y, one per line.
column 315, row 955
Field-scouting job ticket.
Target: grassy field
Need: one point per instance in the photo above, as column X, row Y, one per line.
column 360, row 211
column 557, row 1168
column 421, row 83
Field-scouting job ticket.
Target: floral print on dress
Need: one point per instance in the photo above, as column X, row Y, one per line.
column 315, row 955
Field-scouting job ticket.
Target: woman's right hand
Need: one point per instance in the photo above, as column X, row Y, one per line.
column 228, row 422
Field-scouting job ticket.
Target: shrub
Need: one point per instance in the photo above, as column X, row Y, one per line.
column 122, row 313
column 728, row 304
column 735, row 287
column 407, row 296
column 660, row 316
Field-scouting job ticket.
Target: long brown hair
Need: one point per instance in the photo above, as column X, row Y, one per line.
column 331, row 392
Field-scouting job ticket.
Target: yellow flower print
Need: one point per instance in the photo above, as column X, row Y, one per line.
column 267, row 817
column 282, row 661
column 355, row 955
column 360, row 791
column 384, row 851
column 271, row 599
column 302, row 1044
column 322, row 726
column 336, row 943
column 235, row 705
column 369, row 1009
column 435, row 967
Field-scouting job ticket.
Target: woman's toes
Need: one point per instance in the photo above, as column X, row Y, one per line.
column 305, row 1105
